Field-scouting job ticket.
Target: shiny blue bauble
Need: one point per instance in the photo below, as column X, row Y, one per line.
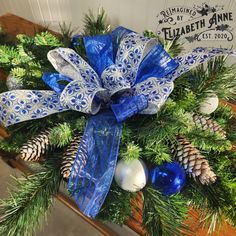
column 168, row 178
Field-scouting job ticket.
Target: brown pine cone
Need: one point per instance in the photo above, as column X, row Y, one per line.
column 206, row 123
column 69, row 157
column 193, row 162
column 35, row 147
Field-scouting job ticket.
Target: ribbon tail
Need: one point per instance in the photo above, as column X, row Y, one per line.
column 21, row 105
column 197, row 57
column 95, row 163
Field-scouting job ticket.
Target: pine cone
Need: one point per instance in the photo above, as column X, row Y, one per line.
column 207, row 123
column 69, row 157
column 36, row 147
column 193, row 162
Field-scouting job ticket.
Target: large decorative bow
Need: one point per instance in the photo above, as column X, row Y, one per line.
column 128, row 73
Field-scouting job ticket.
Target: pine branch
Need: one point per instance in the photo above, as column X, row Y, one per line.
column 156, row 152
column 98, row 24
column 214, row 201
column 47, row 39
column 170, row 120
column 117, row 207
column 67, row 32
column 61, row 135
column 131, row 152
column 217, row 77
column 8, row 54
column 208, row 141
column 162, row 215
column 22, row 213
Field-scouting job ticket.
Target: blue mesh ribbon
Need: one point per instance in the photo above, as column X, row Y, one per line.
column 95, row 163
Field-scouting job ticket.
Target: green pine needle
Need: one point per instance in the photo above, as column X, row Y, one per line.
column 79, row 124
column 47, row 39
column 163, row 215
column 18, row 73
column 209, row 141
column 23, row 212
column 132, row 152
column 96, row 24
column 61, row 135
column 117, row 207
column 217, row 77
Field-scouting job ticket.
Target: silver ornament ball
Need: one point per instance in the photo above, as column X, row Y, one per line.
column 131, row 175
column 209, row 104
column 13, row 83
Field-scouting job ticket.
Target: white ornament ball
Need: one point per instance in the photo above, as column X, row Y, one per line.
column 131, row 175
column 13, row 83
column 209, row 105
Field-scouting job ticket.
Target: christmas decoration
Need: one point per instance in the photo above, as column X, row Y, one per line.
column 209, row 104
column 206, row 123
column 36, row 147
column 131, row 175
column 193, row 162
column 69, row 157
column 168, row 178
column 113, row 92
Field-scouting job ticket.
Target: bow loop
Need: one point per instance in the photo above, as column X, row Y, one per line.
column 67, row 62
column 99, row 52
column 81, row 96
column 133, row 48
column 113, row 80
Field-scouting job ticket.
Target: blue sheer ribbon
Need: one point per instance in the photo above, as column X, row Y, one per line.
column 90, row 180
column 99, row 52
column 95, row 162
column 129, row 106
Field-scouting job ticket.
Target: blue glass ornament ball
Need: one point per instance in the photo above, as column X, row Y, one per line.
column 168, row 178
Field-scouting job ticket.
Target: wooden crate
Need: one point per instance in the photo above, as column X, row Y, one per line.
column 14, row 25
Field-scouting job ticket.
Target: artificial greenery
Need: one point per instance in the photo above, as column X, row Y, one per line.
column 163, row 215
column 24, row 210
column 207, row 80
column 148, row 137
column 61, row 135
column 117, row 207
column 96, row 24
column 132, row 151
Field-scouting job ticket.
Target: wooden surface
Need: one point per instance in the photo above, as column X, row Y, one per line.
column 15, row 25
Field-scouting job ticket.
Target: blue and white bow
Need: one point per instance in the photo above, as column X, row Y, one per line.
column 128, row 74
column 140, row 78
